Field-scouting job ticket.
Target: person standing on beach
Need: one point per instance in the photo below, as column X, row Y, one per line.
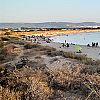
column 65, row 41
column 96, row 44
column 92, row 44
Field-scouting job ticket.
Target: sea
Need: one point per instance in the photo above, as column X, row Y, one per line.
column 19, row 25
column 78, row 38
column 31, row 25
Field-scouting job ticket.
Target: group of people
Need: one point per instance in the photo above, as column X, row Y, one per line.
column 36, row 39
column 65, row 44
column 93, row 44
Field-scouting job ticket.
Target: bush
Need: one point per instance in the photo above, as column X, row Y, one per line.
column 73, row 81
column 54, row 53
column 26, row 84
column 1, row 44
column 2, row 57
column 30, row 46
column 5, row 39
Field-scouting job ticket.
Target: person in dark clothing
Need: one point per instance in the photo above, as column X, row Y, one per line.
column 97, row 44
column 88, row 45
column 35, row 40
column 63, row 45
column 92, row 44
column 67, row 45
column 65, row 41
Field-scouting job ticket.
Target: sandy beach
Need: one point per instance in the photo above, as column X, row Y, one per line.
column 91, row 52
column 49, row 33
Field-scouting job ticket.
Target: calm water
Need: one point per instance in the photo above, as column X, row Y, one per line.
column 80, row 38
column 33, row 25
column 19, row 25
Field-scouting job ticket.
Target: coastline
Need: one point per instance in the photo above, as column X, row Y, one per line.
column 49, row 33
column 94, row 54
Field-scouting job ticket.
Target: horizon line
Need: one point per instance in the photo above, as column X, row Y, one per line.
column 55, row 22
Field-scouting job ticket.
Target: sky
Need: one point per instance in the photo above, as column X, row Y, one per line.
column 33, row 11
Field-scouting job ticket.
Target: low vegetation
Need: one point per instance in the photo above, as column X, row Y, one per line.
column 1, row 44
column 82, row 58
column 33, row 80
column 27, row 84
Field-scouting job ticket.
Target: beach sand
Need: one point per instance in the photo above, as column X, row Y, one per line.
column 49, row 33
column 91, row 52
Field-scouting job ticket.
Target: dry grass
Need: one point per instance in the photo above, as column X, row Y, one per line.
column 59, row 83
column 72, row 80
column 6, row 53
column 52, row 52
column 81, row 58
column 80, row 82
column 26, row 83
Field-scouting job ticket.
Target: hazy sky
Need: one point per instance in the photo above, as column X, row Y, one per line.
column 49, row 10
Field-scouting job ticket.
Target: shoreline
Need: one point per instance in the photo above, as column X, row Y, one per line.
column 49, row 33
column 94, row 54
column 55, row 33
